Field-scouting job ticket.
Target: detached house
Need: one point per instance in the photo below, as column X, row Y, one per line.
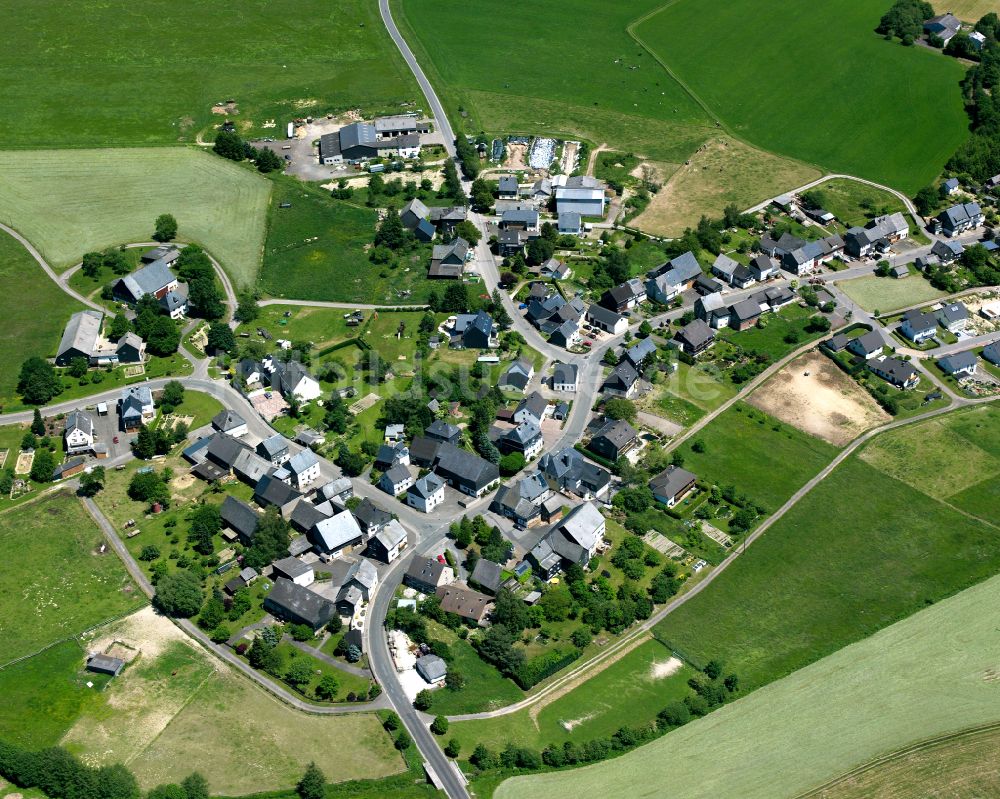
column 712, row 309
column 565, row 376
column 155, row 280
column 298, row 605
column 533, row 408
column 448, row 260
column 426, row 575
column 624, row 297
column 895, row 371
column 464, row 602
column 615, row 439
column 526, row 438
column 867, row 346
column 622, row 382
column 395, row 480
column 640, row 352
column 607, row 320
column 135, row 408
column 695, row 337
column 876, row 236
column 474, row 331
column 517, row 376
column 300, row 470
column 230, row 423
column 332, row 535
column 953, row 317
column 946, row 252
column 465, row 471
column 79, row 433
column 388, row 542
column 291, row 379
column 670, row 279
column 918, row 326
column 573, row 540
column 568, row 471
column 521, row 501
column 961, row 364
column 672, row 484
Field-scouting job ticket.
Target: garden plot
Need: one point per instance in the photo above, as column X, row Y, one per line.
column 812, row 394
column 363, row 404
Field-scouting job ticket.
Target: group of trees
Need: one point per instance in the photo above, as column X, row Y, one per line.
column 905, row 20
column 112, row 258
column 468, row 156
column 977, row 269
column 151, row 441
column 150, row 486
column 230, row 144
column 60, row 775
column 270, row 542
column 37, row 382
column 195, row 268
column 158, row 331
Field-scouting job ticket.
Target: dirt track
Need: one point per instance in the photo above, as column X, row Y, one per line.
column 815, row 396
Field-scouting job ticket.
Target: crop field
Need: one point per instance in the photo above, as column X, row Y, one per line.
column 864, row 701
column 799, row 85
column 626, row 99
column 628, row 691
column 67, row 202
column 860, row 551
column 315, row 250
column 765, row 459
column 55, row 583
column 888, row 293
column 959, row 766
column 968, row 10
column 29, row 328
column 721, row 171
column 151, row 72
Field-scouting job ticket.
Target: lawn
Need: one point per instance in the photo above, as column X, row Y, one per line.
column 888, row 293
column 315, row 250
column 801, row 80
column 866, row 700
column 150, row 73
column 45, row 694
column 629, row 691
column 54, row 583
column 30, row 328
column 67, row 202
column 697, row 386
column 765, row 459
column 861, row 551
column 770, row 339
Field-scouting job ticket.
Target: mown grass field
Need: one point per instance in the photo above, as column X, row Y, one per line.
column 315, row 250
column 627, row 692
column 861, row 702
column 821, row 87
column 860, row 551
column 150, row 72
column 765, row 459
column 30, row 328
column 54, row 584
column 67, row 202
column 888, row 293
column 625, row 98
column 843, row 199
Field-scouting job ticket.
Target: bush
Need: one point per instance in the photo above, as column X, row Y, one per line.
column 178, row 594
column 440, row 725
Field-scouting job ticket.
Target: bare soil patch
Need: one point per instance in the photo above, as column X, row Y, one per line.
column 665, row 668
column 816, row 397
column 24, row 461
column 720, row 172
column 143, row 631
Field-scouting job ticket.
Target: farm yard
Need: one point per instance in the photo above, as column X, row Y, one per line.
column 868, row 699
column 721, row 171
column 56, row 581
column 29, row 328
column 885, row 294
column 150, row 73
column 784, row 79
column 813, row 395
column 841, row 565
column 68, row 202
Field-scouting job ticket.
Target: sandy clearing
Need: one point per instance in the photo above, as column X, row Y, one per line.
column 572, row 723
column 813, row 395
column 143, row 631
column 565, row 688
column 665, row 668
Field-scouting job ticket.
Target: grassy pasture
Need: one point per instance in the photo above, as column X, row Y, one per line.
column 315, row 250
column 67, row 202
column 743, row 448
column 626, row 98
column 859, row 552
column 29, row 328
column 821, row 87
column 54, row 585
column 149, row 73
column 844, row 198
column 888, row 293
column 861, row 702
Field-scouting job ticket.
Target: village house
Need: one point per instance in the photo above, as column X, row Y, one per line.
column 426, row 493
column 579, row 194
column 464, row 602
column 565, row 377
column 440, row 430
column 695, row 337
column 79, row 435
column 426, row 575
column 607, row 320
column 517, row 376
column 230, row 423
column 568, row 471
column 533, row 408
column 135, row 408
column 395, row 480
column 640, row 353
column 672, row 484
column 613, row 440
column 526, row 438
column 82, row 338
column 301, row 470
column 298, row 605
column 293, row 569
column 625, row 296
column 946, row 252
column 876, row 236
column 507, row 188
column 371, row 518
column 668, row 280
column 291, row 379
column 448, row 260
column 712, row 309
column 953, row 317
column 867, row 346
column 388, row 542
column 272, row 491
column 475, row 331
column 521, row 501
column 991, row 352
column 573, row 540
column 959, row 218
column 358, row 586
column 465, row 471
column 274, row 449
column 331, row 536
column 239, row 517
column 622, row 382
column 486, row 575
column 154, row 280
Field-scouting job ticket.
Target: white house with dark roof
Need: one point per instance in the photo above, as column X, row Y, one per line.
column 607, row 320
column 533, row 408
column 525, row 438
column 918, row 326
column 672, row 484
column 961, row 364
column 79, row 432
column 959, row 218
column 953, row 317
column 867, row 346
column 622, row 382
column 895, row 371
column 274, row 449
column 565, row 377
column 426, row 493
column 302, row 469
column 293, row 569
column 230, row 423
column 332, row 535
column 395, row 480
column 136, row 407
column 517, row 376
